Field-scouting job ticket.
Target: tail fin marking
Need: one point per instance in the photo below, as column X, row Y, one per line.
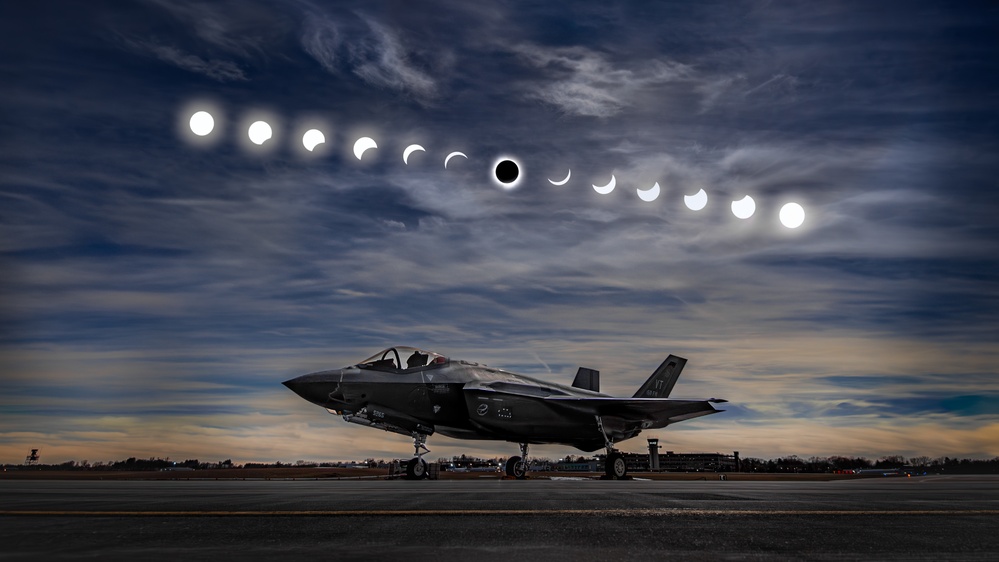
column 660, row 384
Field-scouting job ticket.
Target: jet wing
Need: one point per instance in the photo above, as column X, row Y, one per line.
column 659, row 411
column 646, row 412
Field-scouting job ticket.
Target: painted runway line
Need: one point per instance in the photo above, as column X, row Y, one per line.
column 498, row 512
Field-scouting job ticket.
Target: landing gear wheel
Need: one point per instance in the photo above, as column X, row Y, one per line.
column 416, row 469
column 516, row 467
column 616, row 468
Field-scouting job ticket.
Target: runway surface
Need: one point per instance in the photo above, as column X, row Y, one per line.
column 924, row 518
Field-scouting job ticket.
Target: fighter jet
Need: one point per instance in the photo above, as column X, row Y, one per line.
column 418, row 393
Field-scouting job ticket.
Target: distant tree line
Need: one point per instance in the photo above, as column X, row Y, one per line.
column 946, row 465
column 788, row 464
column 131, row 464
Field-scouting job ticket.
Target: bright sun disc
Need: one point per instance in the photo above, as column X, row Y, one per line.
column 792, row 215
column 202, row 123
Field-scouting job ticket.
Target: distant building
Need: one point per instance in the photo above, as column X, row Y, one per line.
column 667, row 462
column 698, row 462
column 577, row 466
column 681, row 462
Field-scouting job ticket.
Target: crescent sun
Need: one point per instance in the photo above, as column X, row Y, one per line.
column 605, row 189
column 650, row 194
column 409, row 150
column 452, row 155
column 363, row 144
column 561, row 182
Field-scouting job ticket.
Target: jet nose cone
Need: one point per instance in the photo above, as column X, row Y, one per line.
column 297, row 384
column 315, row 387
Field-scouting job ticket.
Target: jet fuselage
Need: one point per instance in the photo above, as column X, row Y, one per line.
column 455, row 398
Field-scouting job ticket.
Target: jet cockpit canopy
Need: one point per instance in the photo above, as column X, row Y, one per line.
column 402, row 358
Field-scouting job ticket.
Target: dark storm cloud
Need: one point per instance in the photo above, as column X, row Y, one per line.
column 136, row 261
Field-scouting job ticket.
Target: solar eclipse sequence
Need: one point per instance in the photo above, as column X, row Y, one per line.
column 506, row 171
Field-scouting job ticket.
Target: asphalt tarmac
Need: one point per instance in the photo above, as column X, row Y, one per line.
column 921, row 518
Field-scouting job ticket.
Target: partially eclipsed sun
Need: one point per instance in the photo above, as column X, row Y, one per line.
column 452, row 155
column 649, row 195
column 259, row 132
column 697, row 201
column 605, row 189
column 409, row 150
column 362, row 144
column 744, row 208
column 563, row 182
column 313, row 138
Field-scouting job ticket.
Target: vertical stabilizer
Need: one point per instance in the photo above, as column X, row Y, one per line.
column 587, row 379
column 660, row 384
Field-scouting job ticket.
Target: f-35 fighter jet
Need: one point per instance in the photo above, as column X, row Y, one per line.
column 418, row 393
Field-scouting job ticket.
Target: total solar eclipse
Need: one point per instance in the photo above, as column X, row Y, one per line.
column 507, row 171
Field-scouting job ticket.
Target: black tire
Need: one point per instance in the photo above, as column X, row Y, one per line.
column 516, row 467
column 416, row 469
column 616, row 467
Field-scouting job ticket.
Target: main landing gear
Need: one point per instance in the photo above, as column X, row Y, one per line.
column 516, row 467
column 615, row 467
column 416, row 469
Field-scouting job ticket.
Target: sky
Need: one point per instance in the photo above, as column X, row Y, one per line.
column 156, row 287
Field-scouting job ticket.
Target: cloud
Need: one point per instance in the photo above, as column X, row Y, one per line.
column 584, row 82
column 383, row 61
column 321, row 39
column 205, row 38
column 783, row 84
column 216, row 69
column 239, row 28
column 807, row 437
column 373, row 53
